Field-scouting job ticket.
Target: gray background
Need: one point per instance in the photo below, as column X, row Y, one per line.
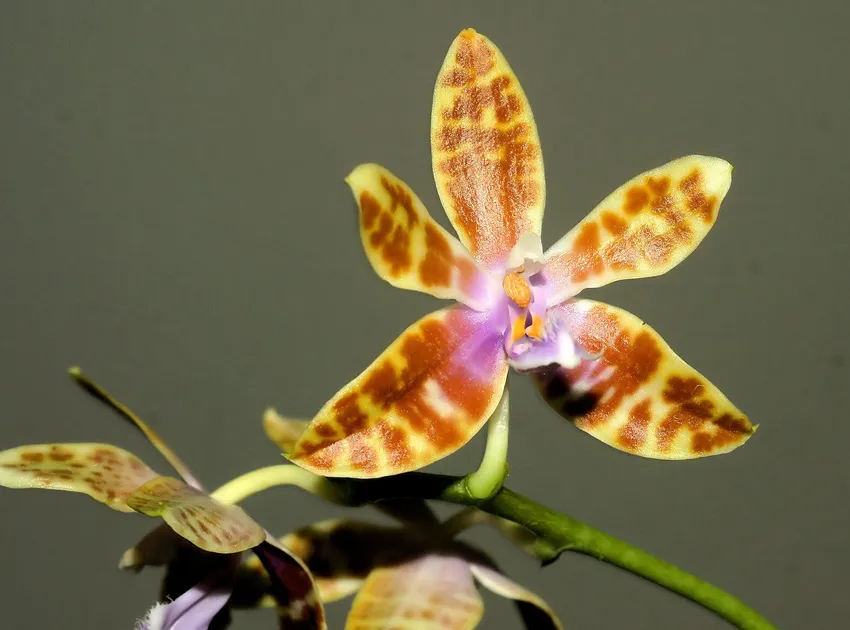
column 174, row 219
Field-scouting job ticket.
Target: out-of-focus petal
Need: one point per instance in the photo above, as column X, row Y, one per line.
column 429, row 593
column 197, row 517
column 193, row 610
column 422, row 399
column 123, row 410
column 540, row 619
column 156, row 549
column 406, row 247
column 485, row 152
column 283, row 431
column 104, row 472
column 339, row 555
column 644, row 228
column 639, row 396
column 292, row 585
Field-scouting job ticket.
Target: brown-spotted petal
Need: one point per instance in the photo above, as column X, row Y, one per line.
column 536, row 612
column 197, row 517
column 431, row 592
column 338, row 553
column 639, row 396
column 283, row 431
column 427, row 395
column 158, row 548
column 298, row 604
column 485, row 152
column 406, row 247
column 104, row 472
column 644, row 228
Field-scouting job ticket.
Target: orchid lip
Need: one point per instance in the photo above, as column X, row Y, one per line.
column 534, row 337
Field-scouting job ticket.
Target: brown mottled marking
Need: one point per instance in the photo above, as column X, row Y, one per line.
column 436, row 267
column 612, row 222
column 32, row 457
column 634, row 360
column 648, row 226
column 397, row 251
column 485, row 150
column 474, row 55
column 703, row 442
column 400, row 197
column 406, row 246
column 634, row 433
column 397, row 391
column 380, row 235
column 59, row 454
column 697, row 200
column 692, row 411
column 639, row 396
column 363, row 457
column 348, row 414
column 370, row 209
column 398, row 445
column 584, row 259
column 637, row 199
column 325, row 431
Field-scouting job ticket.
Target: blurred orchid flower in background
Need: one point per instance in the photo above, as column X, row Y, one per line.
column 601, row 367
column 417, row 572
column 216, row 533
column 413, row 576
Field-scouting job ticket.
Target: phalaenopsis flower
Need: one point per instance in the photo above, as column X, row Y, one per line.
column 598, row 365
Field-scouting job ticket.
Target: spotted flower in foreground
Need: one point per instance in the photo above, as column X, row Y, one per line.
column 403, row 577
column 600, row 366
column 217, row 533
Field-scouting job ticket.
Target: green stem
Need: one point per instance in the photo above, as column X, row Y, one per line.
column 566, row 534
column 487, row 480
column 239, row 489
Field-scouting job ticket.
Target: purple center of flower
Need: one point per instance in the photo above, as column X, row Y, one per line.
column 535, row 337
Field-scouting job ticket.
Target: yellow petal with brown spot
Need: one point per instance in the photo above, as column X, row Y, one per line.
column 406, row 247
column 639, row 396
column 432, row 592
column 426, row 396
column 485, row 152
column 197, row 517
column 644, row 228
column 104, row 472
column 283, row 431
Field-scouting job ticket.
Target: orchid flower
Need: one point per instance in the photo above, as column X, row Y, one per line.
column 601, row 367
column 411, row 577
column 197, row 523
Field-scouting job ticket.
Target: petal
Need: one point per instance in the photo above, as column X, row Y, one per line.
column 431, row 592
column 422, row 399
column 197, row 517
column 104, row 472
column 193, row 610
column 283, row 431
column 639, row 396
column 158, row 548
column 153, row 437
column 299, row 606
column 339, row 554
column 501, row 585
column 485, row 151
column 644, row 228
column 406, row 247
